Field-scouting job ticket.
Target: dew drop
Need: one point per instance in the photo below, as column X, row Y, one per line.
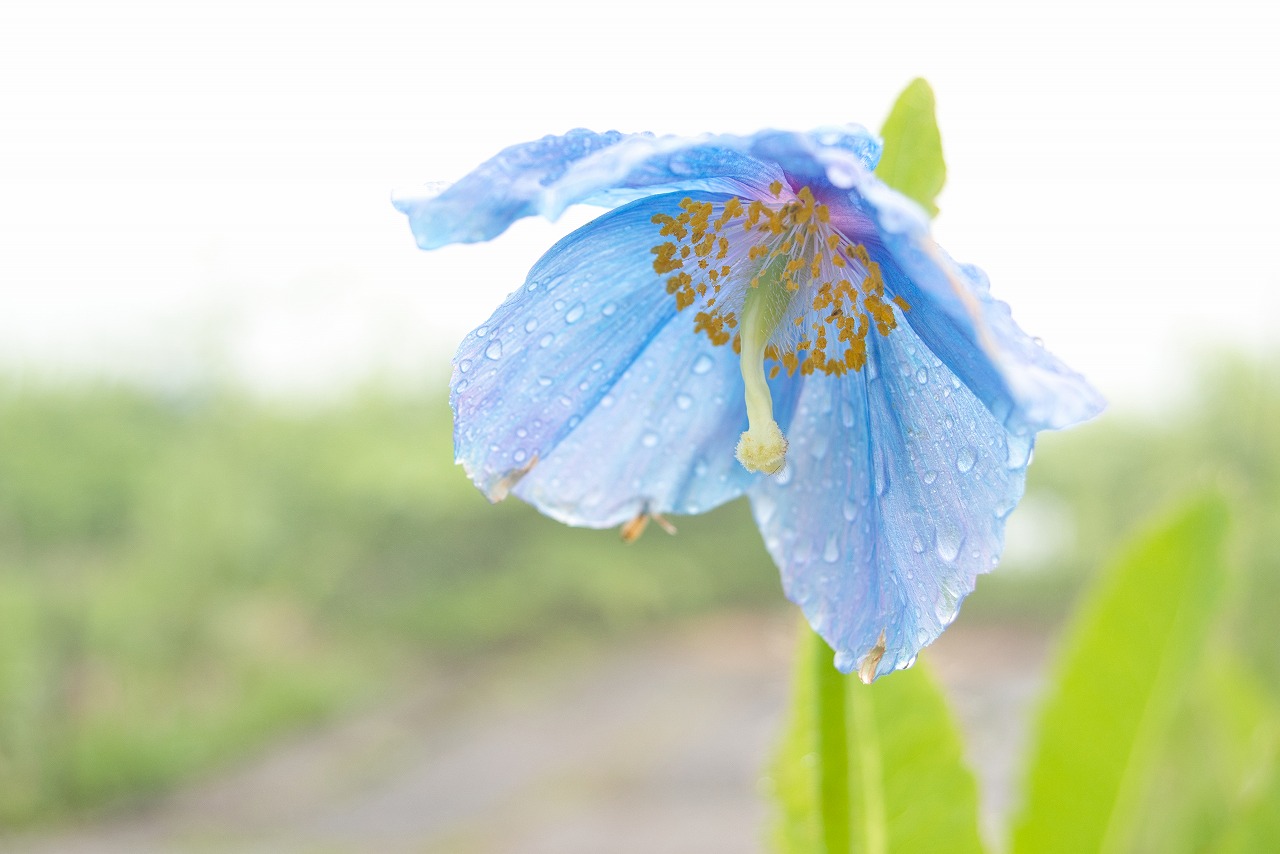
column 494, row 350
column 558, row 305
column 764, row 508
column 930, row 476
column 464, row 365
column 965, row 460
column 574, row 421
column 519, row 456
column 703, row 364
column 530, row 325
column 917, row 546
column 609, row 308
column 950, row 538
column 482, row 331
column 461, row 386
column 649, row 440
column 846, row 413
column 606, row 401
column 850, row 510
column 545, row 340
column 700, row 467
column 831, row 553
column 922, row 376
column 584, row 385
column 521, row 432
column 544, row 381
column 575, row 314
column 683, row 401
column 532, row 286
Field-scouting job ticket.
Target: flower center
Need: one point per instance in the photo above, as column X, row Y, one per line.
column 778, row 282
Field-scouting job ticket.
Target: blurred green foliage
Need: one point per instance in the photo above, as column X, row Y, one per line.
column 182, row 578
column 874, row 768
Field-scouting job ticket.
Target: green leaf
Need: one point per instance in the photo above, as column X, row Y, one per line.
column 1129, row 661
column 912, row 160
column 870, row 768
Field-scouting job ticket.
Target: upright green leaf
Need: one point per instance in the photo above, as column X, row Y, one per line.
column 912, row 161
column 1130, row 659
column 870, row 768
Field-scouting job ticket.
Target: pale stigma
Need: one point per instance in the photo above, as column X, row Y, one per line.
column 762, row 447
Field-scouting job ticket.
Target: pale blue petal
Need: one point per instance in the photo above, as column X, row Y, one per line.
column 897, row 485
column 504, row 188
column 590, row 370
column 546, row 176
column 1025, row 386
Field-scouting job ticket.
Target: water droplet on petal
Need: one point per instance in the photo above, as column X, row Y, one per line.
column 649, row 440
column 521, row 432
column 530, row 325
column 850, row 510
column 609, row 309
column 702, row 364
column 597, row 365
column 461, row 386
column 683, row 401
column 764, row 508
column 558, row 305
column 545, row 340
column 482, row 331
column 917, row 546
column 922, row 376
column 950, row 538
column 519, row 456
column 494, row 350
column 831, row 553
column 965, row 460
column 575, row 313
column 846, row 413
column 464, row 365
column 930, row 476
column 544, row 381
column 606, row 401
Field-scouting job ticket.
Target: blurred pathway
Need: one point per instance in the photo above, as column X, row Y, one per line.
column 656, row 745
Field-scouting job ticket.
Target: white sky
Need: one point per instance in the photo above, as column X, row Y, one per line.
column 188, row 187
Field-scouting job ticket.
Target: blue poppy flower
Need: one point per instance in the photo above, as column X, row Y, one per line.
column 755, row 315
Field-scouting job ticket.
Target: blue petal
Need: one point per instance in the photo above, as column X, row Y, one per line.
column 547, row 176
column 501, row 190
column 893, row 500
column 1025, row 386
column 590, row 371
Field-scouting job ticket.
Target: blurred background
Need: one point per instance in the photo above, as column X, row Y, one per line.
column 244, row 592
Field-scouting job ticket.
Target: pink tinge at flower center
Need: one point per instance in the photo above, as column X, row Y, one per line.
column 779, row 283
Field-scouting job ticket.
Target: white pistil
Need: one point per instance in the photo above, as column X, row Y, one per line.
column 762, row 447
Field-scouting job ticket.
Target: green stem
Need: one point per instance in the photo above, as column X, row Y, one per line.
column 833, row 749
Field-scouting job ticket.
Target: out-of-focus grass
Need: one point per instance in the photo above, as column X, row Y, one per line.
column 183, row 578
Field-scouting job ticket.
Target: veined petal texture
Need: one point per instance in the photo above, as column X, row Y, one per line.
column 546, row 176
column 1024, row 385
column 894, row 499
column 586, row 396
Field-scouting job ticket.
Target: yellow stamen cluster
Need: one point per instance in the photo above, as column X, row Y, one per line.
column 716, row 245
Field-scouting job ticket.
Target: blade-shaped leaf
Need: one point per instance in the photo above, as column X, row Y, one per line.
column 1130, row 658
column 870, row 768
column 912, row 161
